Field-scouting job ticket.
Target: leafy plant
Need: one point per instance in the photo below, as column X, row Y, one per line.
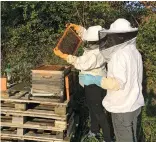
column 30, row 30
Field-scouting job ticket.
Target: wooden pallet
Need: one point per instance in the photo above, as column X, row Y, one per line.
column 25, row 96
column 35, row 129
column 35, row 113
column 23, row 124
column 60, row 110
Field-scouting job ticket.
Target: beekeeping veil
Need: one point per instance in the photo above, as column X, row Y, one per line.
column 118, row 36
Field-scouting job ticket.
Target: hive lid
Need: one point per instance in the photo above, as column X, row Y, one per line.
column 51, row 68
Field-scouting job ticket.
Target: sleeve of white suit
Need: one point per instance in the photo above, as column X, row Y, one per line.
column 86, row 62
column 119, row 71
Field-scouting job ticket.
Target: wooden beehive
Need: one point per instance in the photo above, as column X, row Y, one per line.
column 49, row 80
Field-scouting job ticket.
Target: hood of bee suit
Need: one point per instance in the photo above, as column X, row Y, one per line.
column 118, row 36
column 91, row 37
column 92, row 33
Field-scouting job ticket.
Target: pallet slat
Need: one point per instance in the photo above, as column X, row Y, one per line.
column 33, row 125
column 32, row 113
column 35, row 137
column 50, row 102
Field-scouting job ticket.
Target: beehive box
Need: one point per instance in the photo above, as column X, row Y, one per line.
column 49, row 80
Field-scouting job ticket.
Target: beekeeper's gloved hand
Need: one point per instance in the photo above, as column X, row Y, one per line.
column 60, row 54
column 79, row 29
column 108, row 83
column 69, row 58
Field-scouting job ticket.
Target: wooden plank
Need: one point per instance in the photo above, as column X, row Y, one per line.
column 20, row 87
column 59, row 135
column 34, row 101
column 61, row 124
column 58, row 92
column 29, row 137
column 18, row 95
column 33, row 113
column 6, row 118
column 48, row 75
column 51, row 69
column 53, row 99
column 47, row 72
column 21, row 131
column 45, row 93
column 4, row 95
column 8, row 131
column 47, row 137
column 51, row 88
column 18, row 120
column 33, row 125
column 45, row 107
column 60, row 110
column 6, row 104
column 46, row 82
column 21, row 106
column 45, row 121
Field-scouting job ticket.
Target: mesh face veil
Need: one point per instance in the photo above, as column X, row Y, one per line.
column 107, row 40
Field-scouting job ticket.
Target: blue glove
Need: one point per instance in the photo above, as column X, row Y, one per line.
column 88, row 79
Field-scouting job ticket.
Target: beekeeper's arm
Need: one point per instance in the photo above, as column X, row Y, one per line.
column 84, row 62
column 114, row 83
column 87, row 61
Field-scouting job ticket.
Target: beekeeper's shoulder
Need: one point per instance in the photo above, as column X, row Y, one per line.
column 121, row 54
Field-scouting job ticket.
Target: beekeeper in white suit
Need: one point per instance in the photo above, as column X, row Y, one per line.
column 124, row 97
column 91, row 62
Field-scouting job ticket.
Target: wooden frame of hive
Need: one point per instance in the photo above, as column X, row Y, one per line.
column 69, row 28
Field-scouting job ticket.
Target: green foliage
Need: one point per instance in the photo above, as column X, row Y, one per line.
column 146, row 44
column 30, row 30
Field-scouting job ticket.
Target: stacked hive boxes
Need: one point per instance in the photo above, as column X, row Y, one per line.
column 55, row 82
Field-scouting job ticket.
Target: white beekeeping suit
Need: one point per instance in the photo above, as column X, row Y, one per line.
column 92, row 61
column 125, row 68
column 124, row 97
